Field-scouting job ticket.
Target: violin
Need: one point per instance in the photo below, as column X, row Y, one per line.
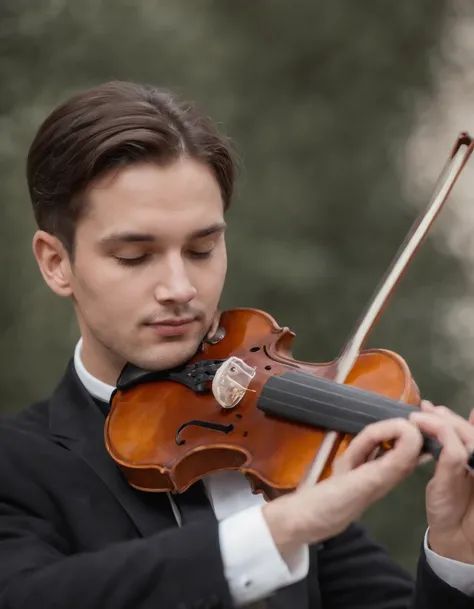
column 244, row 403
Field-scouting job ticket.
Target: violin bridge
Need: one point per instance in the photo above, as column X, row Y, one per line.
column 231, row 382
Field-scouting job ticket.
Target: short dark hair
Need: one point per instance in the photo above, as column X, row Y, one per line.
column 110, row 126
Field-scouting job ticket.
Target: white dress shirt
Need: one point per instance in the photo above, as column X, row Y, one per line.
column 253, row 565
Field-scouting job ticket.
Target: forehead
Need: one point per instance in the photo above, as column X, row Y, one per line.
column 167, row 201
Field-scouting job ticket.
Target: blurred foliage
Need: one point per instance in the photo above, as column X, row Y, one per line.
column 320, row 100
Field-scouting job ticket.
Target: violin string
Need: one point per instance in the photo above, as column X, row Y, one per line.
column 358, row 413
column 321, row 403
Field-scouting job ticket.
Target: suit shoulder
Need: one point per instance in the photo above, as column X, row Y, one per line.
column 27, row 450
column 30, row 421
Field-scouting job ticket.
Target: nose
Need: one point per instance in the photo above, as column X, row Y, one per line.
column 175, row 285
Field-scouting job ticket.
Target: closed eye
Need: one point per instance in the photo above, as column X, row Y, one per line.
column 201, row 255
column 131, row 261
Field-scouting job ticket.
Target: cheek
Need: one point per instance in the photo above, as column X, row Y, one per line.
column 213, row 279
column 101, row 292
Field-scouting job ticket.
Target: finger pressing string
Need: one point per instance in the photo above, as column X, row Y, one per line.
column 454, row 454
column 464, row 428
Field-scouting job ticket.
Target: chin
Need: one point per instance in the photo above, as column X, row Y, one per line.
column 165, row 356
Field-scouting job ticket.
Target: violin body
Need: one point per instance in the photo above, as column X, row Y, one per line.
column 287, row 420
column 165, row 436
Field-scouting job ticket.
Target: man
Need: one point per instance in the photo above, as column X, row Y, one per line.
column 129, row 189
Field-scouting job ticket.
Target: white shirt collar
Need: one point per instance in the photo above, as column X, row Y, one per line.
column 97, row 388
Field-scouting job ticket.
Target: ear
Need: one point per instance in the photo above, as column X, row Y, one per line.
column 53, row 261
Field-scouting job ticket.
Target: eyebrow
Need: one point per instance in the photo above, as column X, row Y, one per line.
column 131, row 237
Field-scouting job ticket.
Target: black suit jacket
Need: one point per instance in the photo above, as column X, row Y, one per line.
column 75, row 535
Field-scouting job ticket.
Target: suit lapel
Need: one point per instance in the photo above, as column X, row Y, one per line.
column 77, row 424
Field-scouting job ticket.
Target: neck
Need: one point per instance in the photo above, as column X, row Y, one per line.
column 100, row 362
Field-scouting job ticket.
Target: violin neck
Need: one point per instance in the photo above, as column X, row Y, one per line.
column 328, row 405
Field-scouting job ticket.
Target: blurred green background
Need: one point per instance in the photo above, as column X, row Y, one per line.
column 327, row 104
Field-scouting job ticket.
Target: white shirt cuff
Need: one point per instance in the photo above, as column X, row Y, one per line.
column 458, row 575
column 253, row 566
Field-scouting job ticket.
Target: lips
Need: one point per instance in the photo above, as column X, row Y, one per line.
column 173, row 322
column 172, row 327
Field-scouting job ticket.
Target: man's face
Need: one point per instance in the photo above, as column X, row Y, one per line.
column 150, row 253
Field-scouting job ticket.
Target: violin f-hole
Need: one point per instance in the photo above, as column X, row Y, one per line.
column 225, row 429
